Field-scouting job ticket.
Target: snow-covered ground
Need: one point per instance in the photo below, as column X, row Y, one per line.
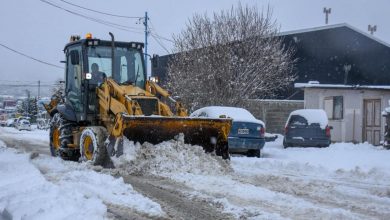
column 343, row 181
column 34, row 136
column 43, row 187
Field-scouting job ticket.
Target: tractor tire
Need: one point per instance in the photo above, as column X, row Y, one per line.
column 54, row 135
column 93, row 146
column 60, row 136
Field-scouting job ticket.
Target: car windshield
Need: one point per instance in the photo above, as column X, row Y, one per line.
column 128, row 64
column 297, row 120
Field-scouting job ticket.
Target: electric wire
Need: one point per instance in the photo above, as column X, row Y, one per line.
column 100, row 12
column 156, row 38
column 100, row 21
column 30, row 57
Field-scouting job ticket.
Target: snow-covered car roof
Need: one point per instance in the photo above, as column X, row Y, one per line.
column 237, row 114
column 312, row 116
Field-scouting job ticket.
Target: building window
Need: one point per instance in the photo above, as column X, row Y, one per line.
column 334, row 107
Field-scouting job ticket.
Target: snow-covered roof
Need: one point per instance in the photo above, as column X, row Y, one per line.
column 332, row 27
column 312, row 116
column 237, row 114
column 339, row 86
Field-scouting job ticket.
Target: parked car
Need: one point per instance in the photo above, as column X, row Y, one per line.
column 3, row 123
column 247, row 133
column 11, row 122
column 24, row 125
column 307, row 128
column 18, row 120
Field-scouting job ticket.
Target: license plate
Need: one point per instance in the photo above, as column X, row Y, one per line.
column 243, row 131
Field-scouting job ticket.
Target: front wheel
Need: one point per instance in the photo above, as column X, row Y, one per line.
column 92, row 145
column 285, row 144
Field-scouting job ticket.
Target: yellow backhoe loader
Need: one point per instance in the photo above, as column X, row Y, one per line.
column 107, row 97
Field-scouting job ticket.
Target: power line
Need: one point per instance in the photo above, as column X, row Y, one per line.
column 30, row 57
column 155, row 37
column 100, row 12
column 160, row 43
column 100, row 21
column 27, row 85
column 159, row 36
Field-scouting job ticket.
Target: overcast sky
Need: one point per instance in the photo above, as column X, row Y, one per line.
column 41, row 30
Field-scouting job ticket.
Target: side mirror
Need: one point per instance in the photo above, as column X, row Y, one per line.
column 74, row 57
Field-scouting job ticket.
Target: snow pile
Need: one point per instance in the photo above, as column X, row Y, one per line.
column 70, row 176
column 25, row 194
column 49, row 188
column 169, row 157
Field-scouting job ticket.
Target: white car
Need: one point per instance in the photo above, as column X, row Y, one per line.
column 23, row 125
column 11, row 122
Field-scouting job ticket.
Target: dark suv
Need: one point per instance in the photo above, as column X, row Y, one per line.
column 307, row 128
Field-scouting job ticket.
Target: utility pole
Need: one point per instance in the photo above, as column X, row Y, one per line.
column 28, row 102
column 372, row 29
column 39, row 88
column 146, row 42
column 327, row 11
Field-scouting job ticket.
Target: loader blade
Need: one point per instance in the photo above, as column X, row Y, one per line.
column 211, row 134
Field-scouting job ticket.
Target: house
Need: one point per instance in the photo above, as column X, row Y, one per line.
column 354, row 111
column 332, row 54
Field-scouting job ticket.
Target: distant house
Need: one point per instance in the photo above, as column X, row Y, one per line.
column 353, row 111
column 333, row 54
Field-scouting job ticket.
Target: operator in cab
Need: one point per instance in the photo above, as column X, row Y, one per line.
column 98, row 77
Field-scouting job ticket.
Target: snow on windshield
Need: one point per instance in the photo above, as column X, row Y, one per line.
column 312, row 116
column 237, row 114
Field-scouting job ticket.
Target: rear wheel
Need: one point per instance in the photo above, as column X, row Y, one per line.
column 92, row 146
column 60, row 136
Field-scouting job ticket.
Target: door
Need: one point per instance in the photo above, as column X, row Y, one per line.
column 372, row 121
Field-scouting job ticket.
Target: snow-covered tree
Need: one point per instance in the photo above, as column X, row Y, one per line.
column 229, row 57
column 28, row 107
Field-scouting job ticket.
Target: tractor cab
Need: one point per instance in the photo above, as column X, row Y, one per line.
column 89, row 62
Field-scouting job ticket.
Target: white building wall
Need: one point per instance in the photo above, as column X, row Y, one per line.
column 350, row 128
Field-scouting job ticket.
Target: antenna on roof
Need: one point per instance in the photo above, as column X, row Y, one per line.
column 327, row 11
column 372, row 29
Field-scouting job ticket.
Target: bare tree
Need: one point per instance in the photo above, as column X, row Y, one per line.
column 58, row 91
column 228, row 58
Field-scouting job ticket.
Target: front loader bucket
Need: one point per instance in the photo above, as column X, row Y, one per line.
column 211, row 134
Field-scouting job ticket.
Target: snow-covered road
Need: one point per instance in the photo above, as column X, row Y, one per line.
column 344, row 181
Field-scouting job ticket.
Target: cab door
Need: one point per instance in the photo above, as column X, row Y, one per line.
column 73, row 88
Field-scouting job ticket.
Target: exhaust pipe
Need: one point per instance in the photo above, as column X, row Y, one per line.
column 112, row 55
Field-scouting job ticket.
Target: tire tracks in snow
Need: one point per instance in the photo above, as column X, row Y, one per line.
column 169, row 195
column 327, row 194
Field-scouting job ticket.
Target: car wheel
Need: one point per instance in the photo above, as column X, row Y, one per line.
column 258, row 153
column 285, row 145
